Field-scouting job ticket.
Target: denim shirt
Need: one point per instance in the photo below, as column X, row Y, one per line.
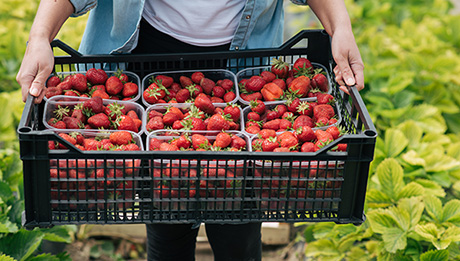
column 113, row 25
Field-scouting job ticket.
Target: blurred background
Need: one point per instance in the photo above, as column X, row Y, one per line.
column 411, row 52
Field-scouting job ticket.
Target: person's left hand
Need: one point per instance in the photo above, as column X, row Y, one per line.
column 350, row 68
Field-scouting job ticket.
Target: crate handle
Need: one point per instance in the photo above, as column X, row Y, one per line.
column 66, row 48
column 364, row 114
column 26, row 115
column 304, row 34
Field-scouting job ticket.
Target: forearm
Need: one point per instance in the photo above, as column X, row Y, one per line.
column 332, row 14
column 51, row 15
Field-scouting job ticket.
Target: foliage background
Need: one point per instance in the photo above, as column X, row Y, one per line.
column 411, row 54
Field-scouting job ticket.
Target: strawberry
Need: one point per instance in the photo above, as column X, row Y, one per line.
column 218, row 122
column 270, row 144
column 273, row 124
column 114, row 110
column 100, row 93
column 279, row 68
column 324, row 98
column 79, row 82
column 154, row 144
column 253, row 116
column 53, row 91
column 203, row 103
column 300, row 86
column 282, row 149
column 319, row 81
column 238, row 142
column 61, row 112
column 170, row 117
column 53, row 81
column 321, row 121
column 165, row 80
column 99, row 120
column 96, row 76
column 93, row 106
column 281, row 83
column 252, row 96
column 258, row 106
column 271, row 92
column 58, row 124
column 65, row 86
column 183, row 142
column 207, row 85
column 218, row 91
column 194, row 90
column 78, row 114
column 227, row 84
column 113, row 85
column 285, row 124
column 308, row 147
column 168, row 147
column 234, row 111
column 122, row 76
column 323, row 110
column 229, row 96
column 288, row 140
column 336, row 132
column 302, row 66
column 271, row 115
column 292, row 104
column 155, row 123
column 268, row 76
column 124, row 122
column 130, row 89
column 121, row 138
column 323, row 137
column 183, row 95
column 154, row 93
column 223, row 140
column 199, row 141
column 73, row 93
column 197, row 76
column 255, row 83
column 303, row 120
column 72, row 123
column 266, row 133
column 185, row 81
column 68, row 138
column 253, row 129
column 305, row 133
column 305, row 108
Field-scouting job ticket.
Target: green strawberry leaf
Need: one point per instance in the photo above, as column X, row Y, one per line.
column 395, row 142
column 394, row 239
column 451, row 212
column 433, row 207
column 435, row 255
column 390, row 177
column 377, row 199
column 412, row 132
column 431, row 188
column 411, row 190
column 22, row 244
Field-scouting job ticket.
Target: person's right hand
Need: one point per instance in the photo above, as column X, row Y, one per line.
column 36, row 66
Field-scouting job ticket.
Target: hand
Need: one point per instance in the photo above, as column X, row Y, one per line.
column 350, row 67
column 36, row 66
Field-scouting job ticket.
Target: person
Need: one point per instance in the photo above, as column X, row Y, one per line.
column 144, row 26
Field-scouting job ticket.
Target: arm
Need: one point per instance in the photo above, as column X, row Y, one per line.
column 38, row 60
column 335, row 20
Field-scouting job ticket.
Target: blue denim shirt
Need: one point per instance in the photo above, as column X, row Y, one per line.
column 113, row 25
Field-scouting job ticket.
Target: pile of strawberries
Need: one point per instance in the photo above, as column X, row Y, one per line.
column 163, row 89
column 283, row 82
column 94, row 113
column 95, row 83
column 200, row 116
column 108, row 141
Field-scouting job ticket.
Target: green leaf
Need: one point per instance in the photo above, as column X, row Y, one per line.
column 412, row 132
column 380, row 220
column 454, row 150
column 6, row 226
column 5, row 191
column 390, row 176
column 427, row 231
column 451, row 211
column 433, row 207
column 21, row 244
column 440, row 162
column 431, row 188
column 394, row 239
column 395, row 142
column 411, row 190
column 412, row 158
column 58, row 234
column 44, row 257
column 4, row 257
column 435, row 255
column 414, row 207
column 322, row 247
column 377, row 199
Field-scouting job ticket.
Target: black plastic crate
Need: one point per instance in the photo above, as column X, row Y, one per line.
column 215, row 187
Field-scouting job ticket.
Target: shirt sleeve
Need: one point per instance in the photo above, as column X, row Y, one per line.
column 300, row 2
column 82, row 6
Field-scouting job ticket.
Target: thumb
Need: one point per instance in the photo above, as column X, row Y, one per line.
column 345, row 69
column 38, row 84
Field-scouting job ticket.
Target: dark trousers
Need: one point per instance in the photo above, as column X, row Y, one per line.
column 176, row 242
column 228, row 242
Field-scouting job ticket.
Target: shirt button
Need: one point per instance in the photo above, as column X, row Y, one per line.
column 248, row 17
column 237, row 48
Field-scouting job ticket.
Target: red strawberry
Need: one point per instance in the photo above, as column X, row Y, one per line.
column 280, row 68
column 272, row 114
column 155, row 123
column 258, row 106
column 72, row 123
column 270, row 144
column 281, row 83
column 207, row 85
column 130, row 89
column 324, row 98
column 99, row 120
column 229, row 96
column 227, row 84
column 234, row 111
column 124, row 122
column 308, row 147
column 253, row 129
column 79, row 82
column 203, row 103
column 218, row 91
column 96, row 76
column 78, row 113
column 53, row 122
column 197, row 76
column 183, row 95
column 288, row 140
column 282, row 149
column 323, row 137
column 252, row 96
column 300, row 86
column 323, row 110
column 53, row 91
column 165, row 80
column 268, row 76
column 93, row 106
column 335, row 132
column 194, row 90
column 253, row 116
column 154, row 144
column 65, row 86
column 199, row 141
column 100, row 93
column 223, row 140
column 113, row 85
column 292, row 104
column 185, row 81
column 303, row 120
column 170, row 117
column 273, row 124
column 285, row 124
column 168, row 147
column 305, row 108
column 255, row 83
column 218, row 122
column 320, row 82
column 272, row 92
column 302, row 66
column 53, row 81
column 121, row 138
column 305, row 133
column 238, row 142
column 91, row 144
column 266, row 133
column 183, row 142
column 68, row 138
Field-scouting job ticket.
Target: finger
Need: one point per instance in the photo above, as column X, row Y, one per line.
column 359, row 76
column 345, row 70
column 25, row 83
